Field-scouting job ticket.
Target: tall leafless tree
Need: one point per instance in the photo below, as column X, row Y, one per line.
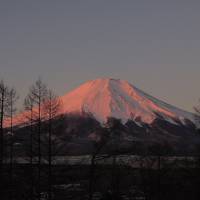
column 28, row 118
column 42, row 111
column 11, row 111
column 3, row 107
column 197, row 118
column 38, row 94
column 158, row 152
column 115, row 129
column 101, row 140
column 52, row 108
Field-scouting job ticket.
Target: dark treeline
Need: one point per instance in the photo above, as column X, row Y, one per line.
column 32, row 143
column 40, row 120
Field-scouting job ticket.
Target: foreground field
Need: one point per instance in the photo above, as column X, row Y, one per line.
column 77, row 179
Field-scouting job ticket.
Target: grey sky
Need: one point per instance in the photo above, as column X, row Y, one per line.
column 153, row 44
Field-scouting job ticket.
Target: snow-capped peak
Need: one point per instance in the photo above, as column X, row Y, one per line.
column 117, row 98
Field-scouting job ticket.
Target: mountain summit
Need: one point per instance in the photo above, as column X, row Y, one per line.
column 117, row 98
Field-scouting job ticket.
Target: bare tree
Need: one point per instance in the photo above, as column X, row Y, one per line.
column 115, row 129
column 11, row 111
column 3, row 108
column 42, row 112
column 29, row 120
column 197, row 118
column 51, row 108
column 37, row 95
column 99, row 143
column 158, row 152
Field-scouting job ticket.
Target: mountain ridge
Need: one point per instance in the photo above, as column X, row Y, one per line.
column 108, row 97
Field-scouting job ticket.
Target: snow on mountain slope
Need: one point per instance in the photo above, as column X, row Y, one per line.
column 105, row 98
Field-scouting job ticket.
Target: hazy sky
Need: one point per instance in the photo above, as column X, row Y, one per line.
column 153, row 44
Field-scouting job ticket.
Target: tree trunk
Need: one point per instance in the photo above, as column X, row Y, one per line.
column 114, row 178
column 50, row 160
column 159, row 170
column 91, row 183
column 11, row 147
column 1, row 140
column 31, row 154
column 39, row 148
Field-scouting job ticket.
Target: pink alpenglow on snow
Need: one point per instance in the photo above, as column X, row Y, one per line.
column 106, row 97
column 116, row 98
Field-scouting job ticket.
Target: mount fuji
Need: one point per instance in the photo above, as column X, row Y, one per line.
column 145, row 119
column 105, row 97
